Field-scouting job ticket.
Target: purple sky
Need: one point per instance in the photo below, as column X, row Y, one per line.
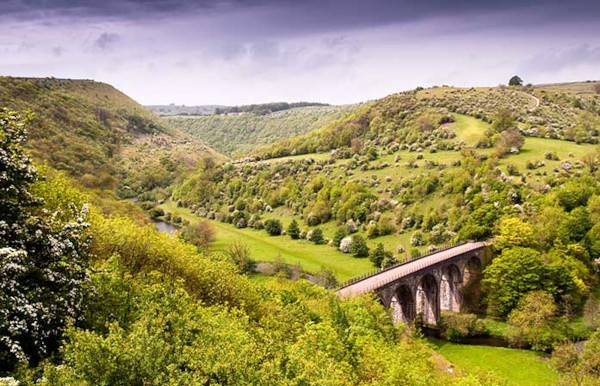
column 335, row 51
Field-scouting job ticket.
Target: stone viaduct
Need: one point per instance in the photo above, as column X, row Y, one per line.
column 426, row 285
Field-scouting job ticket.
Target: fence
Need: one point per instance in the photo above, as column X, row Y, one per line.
column 406, row 261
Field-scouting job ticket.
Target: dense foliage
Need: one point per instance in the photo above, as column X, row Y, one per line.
column 43, row 256
column 99, row 135
column 157, row 311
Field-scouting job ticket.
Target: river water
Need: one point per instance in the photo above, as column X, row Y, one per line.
column 166, row 227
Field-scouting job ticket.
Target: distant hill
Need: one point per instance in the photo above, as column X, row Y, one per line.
column 261, row 109
column 242, row 132
column 84, row 127
column 173, row 109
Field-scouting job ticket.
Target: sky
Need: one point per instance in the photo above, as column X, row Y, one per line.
column 234, row 52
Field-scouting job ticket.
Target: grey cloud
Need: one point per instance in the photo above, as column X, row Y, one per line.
column 557, row 60
column 106, row 40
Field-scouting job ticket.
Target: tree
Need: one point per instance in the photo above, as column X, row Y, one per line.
column 515, row 233
column 502, row 120
column 379, row 255
column 273, row 227
column 201, row 234
column 339, row 236
column 508, row 141
column 43, row 260
column 534, row 322
column 359, row 246
column 518, row 271
column 293, row 230
column 597, row 88
column 582, row 367
column 591, row 313
column 515, row 81
column 317, row 236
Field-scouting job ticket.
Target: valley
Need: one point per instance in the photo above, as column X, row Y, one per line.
column 357, row 189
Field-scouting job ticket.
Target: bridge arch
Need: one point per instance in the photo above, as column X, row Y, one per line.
column 473, row 270
column 451, row 288
column 403, row 305
column 428, row 299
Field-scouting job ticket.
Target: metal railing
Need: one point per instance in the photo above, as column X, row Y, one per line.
column 421, row 255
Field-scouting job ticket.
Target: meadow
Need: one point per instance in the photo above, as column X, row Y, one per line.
column 517, row 367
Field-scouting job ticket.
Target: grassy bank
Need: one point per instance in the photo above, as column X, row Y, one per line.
column 517, row 367
column 309, row 256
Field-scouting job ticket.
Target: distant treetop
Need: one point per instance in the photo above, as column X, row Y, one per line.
column 265, row 108
column 515, row 81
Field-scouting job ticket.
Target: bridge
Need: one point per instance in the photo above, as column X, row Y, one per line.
column 426, row 285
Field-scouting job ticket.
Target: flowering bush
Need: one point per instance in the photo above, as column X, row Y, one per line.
column 43, row 260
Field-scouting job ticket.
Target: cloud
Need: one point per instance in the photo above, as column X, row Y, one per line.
column 558, row 60
column 106, row 40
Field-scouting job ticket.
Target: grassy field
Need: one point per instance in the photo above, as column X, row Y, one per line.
column 309, row 256
column 518, row 367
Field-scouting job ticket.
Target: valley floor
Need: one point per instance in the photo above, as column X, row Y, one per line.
column 517, row 367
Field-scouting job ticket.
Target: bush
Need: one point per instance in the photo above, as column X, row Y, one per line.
column 240, row 256
column 200, row 234
column 359, row 246
column 456, row 327
column 346, row 244
column 156, row 212
column 379, row 255
column 417, row 239
column 273, row 227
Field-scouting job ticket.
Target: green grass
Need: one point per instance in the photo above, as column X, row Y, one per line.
column 309, row 256
column 518, row 367
column 468, row 129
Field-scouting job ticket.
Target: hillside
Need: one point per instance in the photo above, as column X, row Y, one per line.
column 98, row 134
column 412, row 170
column 239, row 133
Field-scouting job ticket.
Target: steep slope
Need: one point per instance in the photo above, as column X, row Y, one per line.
column 239, row 133
column 84, row 128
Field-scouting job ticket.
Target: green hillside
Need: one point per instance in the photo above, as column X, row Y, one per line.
column 98, row 134
column 239, row 133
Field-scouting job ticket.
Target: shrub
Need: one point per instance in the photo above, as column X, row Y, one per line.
column 240, row 256
column 346, row 244
column 156, row 212
column 359, row 246
column 326, row 278
column 201, row 234
column 273, row 227
column 379, row 255
column 417, row 239
column 456, row 327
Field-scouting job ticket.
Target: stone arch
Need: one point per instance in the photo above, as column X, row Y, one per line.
column 451, row 288
column 403, row 305
column 428, row 299
column 473, row 270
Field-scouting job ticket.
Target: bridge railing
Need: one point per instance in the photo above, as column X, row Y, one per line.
column 400, row 263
